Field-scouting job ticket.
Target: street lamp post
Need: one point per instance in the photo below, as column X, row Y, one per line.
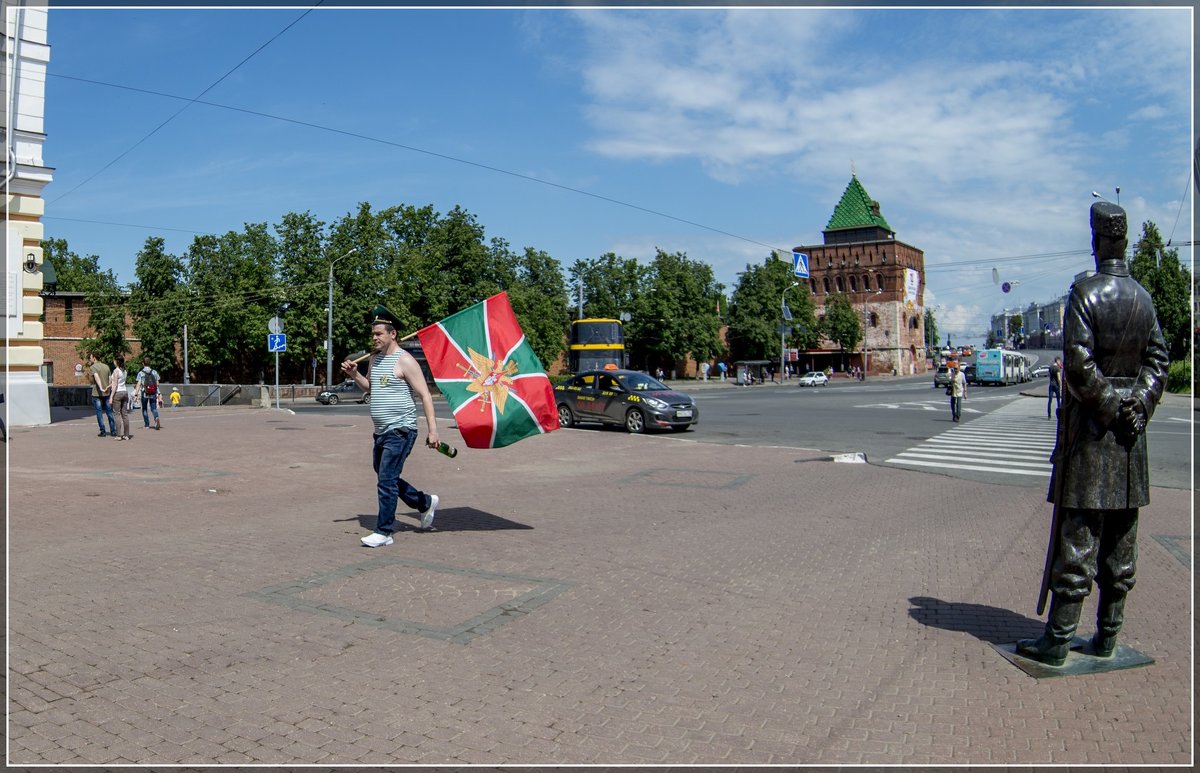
column 329, row 323
column 786, row 316
column 866, row 293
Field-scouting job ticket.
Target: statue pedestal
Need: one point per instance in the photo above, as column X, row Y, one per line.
column 1079, row 660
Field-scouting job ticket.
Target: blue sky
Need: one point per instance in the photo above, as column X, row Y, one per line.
column 981, row 132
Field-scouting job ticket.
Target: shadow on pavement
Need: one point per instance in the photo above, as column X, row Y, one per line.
column 990, row 624
column 449, row 519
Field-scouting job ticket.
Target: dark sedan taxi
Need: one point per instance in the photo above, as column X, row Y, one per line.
column 623, row 397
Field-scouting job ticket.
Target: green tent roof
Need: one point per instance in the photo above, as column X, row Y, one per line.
column 856, row 210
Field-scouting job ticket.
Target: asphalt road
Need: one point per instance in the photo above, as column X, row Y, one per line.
column 902, row 423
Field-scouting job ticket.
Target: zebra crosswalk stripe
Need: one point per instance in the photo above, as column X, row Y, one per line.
column 1015, row 439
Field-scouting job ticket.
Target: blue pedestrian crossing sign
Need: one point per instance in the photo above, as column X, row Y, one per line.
column 800, row 264
column 276, row 342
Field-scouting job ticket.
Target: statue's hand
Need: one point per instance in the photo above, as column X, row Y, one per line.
column 1131, row 421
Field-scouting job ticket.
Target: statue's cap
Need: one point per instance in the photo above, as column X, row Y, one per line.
column 1108, row 219
column 381, row 316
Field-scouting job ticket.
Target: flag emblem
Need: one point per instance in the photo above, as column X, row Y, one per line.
column 491, row 378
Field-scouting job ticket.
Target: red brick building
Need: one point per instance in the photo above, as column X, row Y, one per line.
column 66, row 322
column 884, row 279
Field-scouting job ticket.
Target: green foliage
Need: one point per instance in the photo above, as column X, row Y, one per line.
column 75, row 273
column 231, row 294
column 841, row 323
column 1170, row 286
column 675, row 313
column 539, row 299
column 755, row 311
column 1179, row 376
column 610, row 286
column 1015, row 323
column 419, row 263
column 155, row 305
column 931, row 331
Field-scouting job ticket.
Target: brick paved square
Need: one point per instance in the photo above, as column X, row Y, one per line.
column 409, row 596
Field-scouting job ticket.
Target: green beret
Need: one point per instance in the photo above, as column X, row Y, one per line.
column 381, row 316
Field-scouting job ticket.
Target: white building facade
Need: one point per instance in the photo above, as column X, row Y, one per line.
column 26, row 55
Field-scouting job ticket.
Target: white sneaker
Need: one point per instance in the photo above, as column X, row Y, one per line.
column 375, row 540
column 427, row 515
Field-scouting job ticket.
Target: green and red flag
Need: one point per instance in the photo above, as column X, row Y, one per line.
column 490, row 376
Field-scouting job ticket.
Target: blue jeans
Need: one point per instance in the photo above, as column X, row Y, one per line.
column 391, row 449
column 150, row 401
column 102, row 408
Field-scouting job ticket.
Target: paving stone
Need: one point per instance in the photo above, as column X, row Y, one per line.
column 813, row 614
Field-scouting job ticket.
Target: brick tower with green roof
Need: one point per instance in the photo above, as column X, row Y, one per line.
column 861, row 257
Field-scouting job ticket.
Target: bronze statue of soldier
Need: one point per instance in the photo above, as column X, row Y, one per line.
column 1114, row 372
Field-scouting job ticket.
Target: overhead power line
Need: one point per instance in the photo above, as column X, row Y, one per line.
column 190, row 102
column 424, row 151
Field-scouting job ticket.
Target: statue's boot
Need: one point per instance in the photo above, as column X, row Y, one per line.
column 1110, row 616
column 1055, row 642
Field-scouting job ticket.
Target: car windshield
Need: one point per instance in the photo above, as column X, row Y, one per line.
column 640, row 382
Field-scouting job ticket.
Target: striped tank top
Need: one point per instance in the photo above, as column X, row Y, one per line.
column 392, row 405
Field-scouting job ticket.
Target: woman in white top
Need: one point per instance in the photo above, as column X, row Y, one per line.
column 120, row 399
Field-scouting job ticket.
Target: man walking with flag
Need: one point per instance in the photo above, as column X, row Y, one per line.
column 394, row 377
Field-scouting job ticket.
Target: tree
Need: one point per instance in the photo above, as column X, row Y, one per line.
column 154, row 303
column 231, row 295
column 539, row 299
column 841, row 324
column 931, row 331
column 1015, row 323
column 675, row 313
column 303, row 266
column 1169, row 284
column 755, row 311
column 610, row 285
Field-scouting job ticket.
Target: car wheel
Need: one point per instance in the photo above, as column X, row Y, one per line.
column 333, row 399
column 565, row 417
column 635, row 422
column 366, row 399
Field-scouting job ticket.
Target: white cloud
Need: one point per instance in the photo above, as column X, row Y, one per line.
column 972, row 156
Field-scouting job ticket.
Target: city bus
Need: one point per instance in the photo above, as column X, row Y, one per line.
column 1001, row 366
column 596, row 344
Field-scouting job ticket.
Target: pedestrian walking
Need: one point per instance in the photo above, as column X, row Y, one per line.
column 147, row 392
column 101, row 390
column 174, row 397
column 722, row 367
column 1115, row 374
column 119, row 397
column 1054, row 396
column 704, row 370
column 394, row 377
column 957, row 391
